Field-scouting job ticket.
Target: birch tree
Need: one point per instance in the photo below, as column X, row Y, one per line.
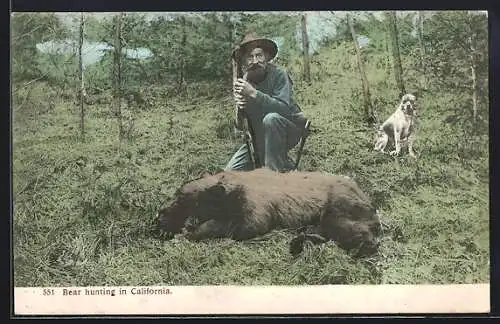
column 182, row 59
column 305, row 49
column 420, row 33
column 458, row 60
column 397, row 66
column 117, row 72
column 367, row 103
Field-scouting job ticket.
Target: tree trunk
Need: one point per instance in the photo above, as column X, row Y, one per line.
column 181, row 68
column 367, row 103
column 305, row 49
column 231, row 29
column 398, row 68
column 387, row 53
column 473, row 68
column 80, row 74
column 420, row 33
column 117, row 73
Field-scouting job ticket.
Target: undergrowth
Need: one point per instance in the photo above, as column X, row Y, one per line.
column 83, row 209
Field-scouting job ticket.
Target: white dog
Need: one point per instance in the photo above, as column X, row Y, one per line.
column 399, row 127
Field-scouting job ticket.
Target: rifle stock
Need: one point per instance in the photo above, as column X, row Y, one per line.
column 244, row 123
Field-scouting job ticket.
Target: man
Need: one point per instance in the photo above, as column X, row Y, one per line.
column 266, row 96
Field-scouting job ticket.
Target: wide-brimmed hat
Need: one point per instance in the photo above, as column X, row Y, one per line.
column 251, row 39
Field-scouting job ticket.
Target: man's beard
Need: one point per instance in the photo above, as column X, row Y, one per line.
column 256, row 73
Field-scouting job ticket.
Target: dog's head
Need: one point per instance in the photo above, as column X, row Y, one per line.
column 408, row 104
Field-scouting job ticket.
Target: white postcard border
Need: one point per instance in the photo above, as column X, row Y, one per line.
column 247, row 300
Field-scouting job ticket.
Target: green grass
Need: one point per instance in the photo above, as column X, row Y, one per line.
column 83, row 209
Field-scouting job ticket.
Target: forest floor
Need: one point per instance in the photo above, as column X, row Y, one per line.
column 83, row 209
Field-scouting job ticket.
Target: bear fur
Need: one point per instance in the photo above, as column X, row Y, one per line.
column 243, row 205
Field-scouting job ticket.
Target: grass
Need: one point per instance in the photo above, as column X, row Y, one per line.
column 83, row 209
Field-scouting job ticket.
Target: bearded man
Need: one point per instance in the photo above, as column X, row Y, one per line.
column 267, row 97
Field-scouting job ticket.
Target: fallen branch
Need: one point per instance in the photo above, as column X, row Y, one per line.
column 30, row 82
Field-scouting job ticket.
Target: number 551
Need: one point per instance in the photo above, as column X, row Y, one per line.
column 48, row 292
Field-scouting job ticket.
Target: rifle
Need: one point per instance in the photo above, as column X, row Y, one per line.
column 302, row 142
column 243, row 122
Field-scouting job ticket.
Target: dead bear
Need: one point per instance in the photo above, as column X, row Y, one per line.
column 244, row 205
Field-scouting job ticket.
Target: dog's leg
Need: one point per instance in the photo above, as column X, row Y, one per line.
column 397, row 142
column 411, row 138
column 385, row 140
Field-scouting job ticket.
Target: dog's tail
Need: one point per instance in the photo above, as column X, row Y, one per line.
column 297, row 243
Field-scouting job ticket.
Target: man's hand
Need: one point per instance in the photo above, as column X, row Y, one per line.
column 245, row 89
column 239, row 99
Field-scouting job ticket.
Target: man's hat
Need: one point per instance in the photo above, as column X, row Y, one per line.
column 251, row 39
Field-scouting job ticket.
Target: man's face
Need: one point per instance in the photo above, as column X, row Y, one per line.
column 254, row 56
column 254, row 64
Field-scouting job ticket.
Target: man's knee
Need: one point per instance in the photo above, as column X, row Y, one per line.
column 271, row 120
